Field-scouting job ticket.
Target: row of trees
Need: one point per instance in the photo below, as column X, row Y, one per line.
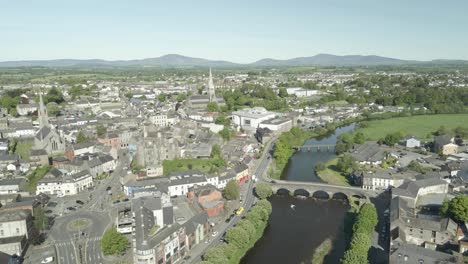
column 363, row 227
column 241, row 237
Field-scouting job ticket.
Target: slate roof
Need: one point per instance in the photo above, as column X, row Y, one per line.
column 416, row 254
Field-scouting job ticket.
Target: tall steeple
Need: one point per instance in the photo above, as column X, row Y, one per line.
column 42, row 114
column 211, row 88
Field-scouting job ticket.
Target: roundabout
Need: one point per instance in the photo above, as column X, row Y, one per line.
column 79, row 224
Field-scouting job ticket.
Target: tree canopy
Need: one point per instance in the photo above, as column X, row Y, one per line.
column 232, row 192
column 112, row 242
column 457, row 208
column 263, row 190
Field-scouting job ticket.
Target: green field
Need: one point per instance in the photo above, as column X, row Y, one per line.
column 419, row 126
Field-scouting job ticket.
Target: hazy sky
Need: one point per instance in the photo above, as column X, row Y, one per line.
column 236, row 30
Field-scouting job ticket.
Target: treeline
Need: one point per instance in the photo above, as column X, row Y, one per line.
column 242, row 237
column 253, row 95
column 361, row 239
column 284, row 145
column 402, row 91
column 11, row 98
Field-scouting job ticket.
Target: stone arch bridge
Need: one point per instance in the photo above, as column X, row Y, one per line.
column 320, row 190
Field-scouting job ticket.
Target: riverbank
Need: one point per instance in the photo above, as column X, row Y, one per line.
column 242, row 237
column 322, row 251
column 331, row 175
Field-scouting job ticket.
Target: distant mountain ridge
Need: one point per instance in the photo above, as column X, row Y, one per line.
column 175, row 60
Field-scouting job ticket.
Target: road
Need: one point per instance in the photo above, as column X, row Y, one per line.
column 262, row 164
column 82, row 245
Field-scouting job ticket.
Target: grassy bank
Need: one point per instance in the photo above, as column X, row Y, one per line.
column 36, row 176
column 322, row 251
column 420, row 125
column 331, row 175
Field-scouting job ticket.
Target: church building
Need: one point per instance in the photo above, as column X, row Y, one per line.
column 200, row 102
column 47, row 138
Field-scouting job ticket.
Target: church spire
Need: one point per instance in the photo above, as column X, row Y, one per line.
column 211, row 88
column 42, row 114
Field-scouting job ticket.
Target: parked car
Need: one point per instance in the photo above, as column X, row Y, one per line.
column 116, row 202
column 71, row 208
column 47, row 260
column 108, row 188
column 79, row 202
column 215, row 233
column 125, row 200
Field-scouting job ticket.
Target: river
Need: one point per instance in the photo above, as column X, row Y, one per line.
column 301, row 165
column 293, row 234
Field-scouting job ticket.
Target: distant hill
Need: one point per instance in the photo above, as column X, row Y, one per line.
column 333, row 60
column 175, row 60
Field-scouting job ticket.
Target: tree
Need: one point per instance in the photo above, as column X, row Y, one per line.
column 81, row 138
column 263, row 190
column 54, row 95
column 266, row 205
column 346, row 164
column 112, row 242
column 41, row 221
column 223, row 120
column 226, row 133
column 458, row 208
column 282, row 92
column 231, row 192
column 238, row 237
column 393, row 138
column 129, row 95
column 442, row 130
column 162, row 98
column 248, row 227
column 359, row 138
column 215, row 255
column 181, row 97
column 320, row 167
column 52, row 109
column 101, row 130
column 212, row 107
column 216, row 151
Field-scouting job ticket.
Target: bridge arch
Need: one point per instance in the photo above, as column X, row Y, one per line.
column 359, row 196
column 321, row 195
column 283, row 192
column 340, row 196
column 302, row 192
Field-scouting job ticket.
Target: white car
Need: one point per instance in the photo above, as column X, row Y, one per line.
column 215, row 233
column 60, row 195
column 47, row 260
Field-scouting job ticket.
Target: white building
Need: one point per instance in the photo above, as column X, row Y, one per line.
column 55, row 182
column 413, row 142
column 15, row 227
column 250, row 118
column 301, row 92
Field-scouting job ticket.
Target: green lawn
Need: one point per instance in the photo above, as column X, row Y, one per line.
column 330, row 175
column 419, row 126
column 203, row 165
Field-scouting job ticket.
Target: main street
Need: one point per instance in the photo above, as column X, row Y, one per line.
column 261, row 166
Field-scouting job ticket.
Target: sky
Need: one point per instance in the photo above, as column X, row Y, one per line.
column 239, row 31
